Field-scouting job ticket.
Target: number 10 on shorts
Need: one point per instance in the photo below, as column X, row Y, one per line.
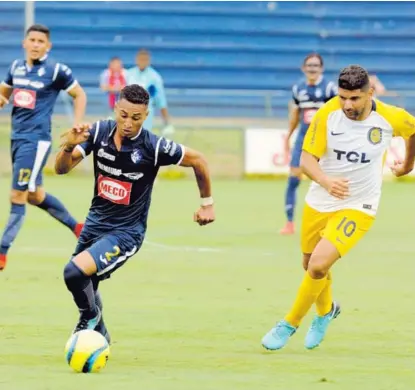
column 348, row 227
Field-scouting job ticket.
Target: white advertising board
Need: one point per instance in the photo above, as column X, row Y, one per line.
column 265, row 154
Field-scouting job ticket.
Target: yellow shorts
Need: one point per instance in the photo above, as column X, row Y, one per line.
column 343, row 228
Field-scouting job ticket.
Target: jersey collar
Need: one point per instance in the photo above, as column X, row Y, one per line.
column 127, row 143
column 138, row 134
column 36, row 62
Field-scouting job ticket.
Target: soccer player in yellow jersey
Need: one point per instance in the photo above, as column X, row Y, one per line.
column 343, row 154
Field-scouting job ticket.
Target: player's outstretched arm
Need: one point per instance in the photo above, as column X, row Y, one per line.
column 404, row 126
column 5, row 93
column 293, row 123
column 336, row 186
column 402, row 168
column 196, row 160
column 69, row 157
column 79, row 102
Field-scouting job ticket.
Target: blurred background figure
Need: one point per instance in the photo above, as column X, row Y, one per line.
column 113, row 80
column 380, row 89
column 377, row 85
column 145, row 75
column 309, row 94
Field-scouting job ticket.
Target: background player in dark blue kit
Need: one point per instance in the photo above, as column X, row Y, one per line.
column 309, row 94
column 35, row 84
column 127, row 158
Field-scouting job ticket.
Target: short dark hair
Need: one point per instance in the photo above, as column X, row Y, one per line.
column 312, row 55
column 115, row 58
column 39, row 28
column 135, row 94
column 354, row 77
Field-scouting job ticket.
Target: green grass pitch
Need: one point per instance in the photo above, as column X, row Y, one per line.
column 189, row 311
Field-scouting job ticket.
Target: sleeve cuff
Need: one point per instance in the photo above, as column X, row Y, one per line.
column 73, row 85
column 183, row 153
column 81, row 150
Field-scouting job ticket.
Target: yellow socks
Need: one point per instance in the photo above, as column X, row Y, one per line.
column 308, row 293
column 325, row 299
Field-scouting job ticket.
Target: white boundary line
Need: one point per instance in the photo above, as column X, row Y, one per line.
column 160, row 247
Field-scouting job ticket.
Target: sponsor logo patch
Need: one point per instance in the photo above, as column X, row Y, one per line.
column 116, row 191
column 24, row 98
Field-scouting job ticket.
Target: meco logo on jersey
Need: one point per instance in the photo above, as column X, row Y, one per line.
column 115, row 191
column 352, row 156
column 24, row 98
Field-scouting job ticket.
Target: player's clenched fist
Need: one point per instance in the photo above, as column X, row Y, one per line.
column 399, row 168
column 76, row 135
column 337, row 187
column 205, row 215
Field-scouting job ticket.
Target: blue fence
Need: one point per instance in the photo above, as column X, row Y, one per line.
column 236, row 46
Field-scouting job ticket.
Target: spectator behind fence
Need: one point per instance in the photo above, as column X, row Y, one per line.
column 113, row 80
column 147, row 77
column 379, row 88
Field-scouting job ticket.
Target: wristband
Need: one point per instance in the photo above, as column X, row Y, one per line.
column 206, row 201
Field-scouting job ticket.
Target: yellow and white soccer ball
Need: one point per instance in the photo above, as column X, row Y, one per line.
column 87, row 351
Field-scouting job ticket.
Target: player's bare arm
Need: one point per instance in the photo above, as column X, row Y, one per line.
column 336, row 186
column 69, row 157
column 197, row 161
column 293, row 123
column 402, row 168
column 5, row 93
column 79, row 102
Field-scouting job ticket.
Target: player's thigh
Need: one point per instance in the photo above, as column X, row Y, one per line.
column 312, row 227
column 110, row 252
column 23, row 159
column 346, row 228
column 28, row 161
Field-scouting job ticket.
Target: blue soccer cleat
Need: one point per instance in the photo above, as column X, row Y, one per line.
column 318, row 328
column 278, row 336
column 88, row 323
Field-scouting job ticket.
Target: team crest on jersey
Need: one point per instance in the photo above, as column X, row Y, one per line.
column 41, row 72
column 375, row 135
column 136, row 156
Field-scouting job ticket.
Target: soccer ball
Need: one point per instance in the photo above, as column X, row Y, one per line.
column 87, row 351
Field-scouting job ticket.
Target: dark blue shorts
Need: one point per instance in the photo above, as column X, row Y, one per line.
column 110, row 251
column 28, row 160
column 296, row 152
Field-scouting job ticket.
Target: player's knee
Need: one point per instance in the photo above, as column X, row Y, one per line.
column 37, row 197
column 18, row 197
column 34, row 199
column 317, row 267
column 73, row 276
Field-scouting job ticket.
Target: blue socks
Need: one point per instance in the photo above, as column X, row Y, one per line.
column 13, row 226
column 58, row 211
column 82, row 289
column 291, row 197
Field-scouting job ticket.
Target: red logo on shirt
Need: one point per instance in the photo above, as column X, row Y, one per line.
column 308, row 115
column 116, row 191
column 24, row 98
